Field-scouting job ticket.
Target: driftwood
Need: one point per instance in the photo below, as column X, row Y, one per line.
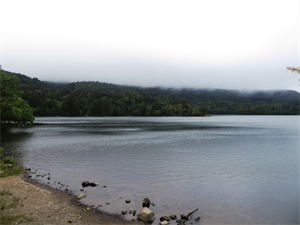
column 188, row 216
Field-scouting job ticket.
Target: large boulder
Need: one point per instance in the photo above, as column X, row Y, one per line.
column 146, row 215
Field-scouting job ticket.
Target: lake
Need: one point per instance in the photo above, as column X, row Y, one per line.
column 235, row 169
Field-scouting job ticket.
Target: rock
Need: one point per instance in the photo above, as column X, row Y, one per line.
column 124, row 211
column 48, row 178
column 93, row 205
column 164, row 222
column 67, row 189
column 29, row 176
column 152, row 204
column 99, row 205
column 146, row 215
column 130, row 211
column 81, row 189
column 85, row 184
column 167, row 218
column 146, row 202
column 88, row 209
column 173, row 217
column 104, row 186
column 107, row 203
column 93, row 184
column 81, row 195
column 198, row 218
column 127, row 201
column 134, row 212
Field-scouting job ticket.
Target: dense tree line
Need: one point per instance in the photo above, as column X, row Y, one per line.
column 13, row 107
column 103, row 99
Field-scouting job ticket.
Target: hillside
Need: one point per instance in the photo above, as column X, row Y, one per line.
column 91, row 98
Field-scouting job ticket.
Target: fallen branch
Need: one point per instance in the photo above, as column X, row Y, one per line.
column 188, row 216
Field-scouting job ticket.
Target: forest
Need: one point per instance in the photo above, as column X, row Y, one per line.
column 91, row 98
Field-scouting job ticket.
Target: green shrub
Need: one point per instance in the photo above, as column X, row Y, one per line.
column 3, row 166
column 1, row 151
column 17, row 170
column 9, row 160
column 8, row 165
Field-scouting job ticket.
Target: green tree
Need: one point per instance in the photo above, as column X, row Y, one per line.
column 13, row 107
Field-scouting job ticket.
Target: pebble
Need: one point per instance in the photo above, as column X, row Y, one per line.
column 124, row 211
column 173, row 217
column 81, row 195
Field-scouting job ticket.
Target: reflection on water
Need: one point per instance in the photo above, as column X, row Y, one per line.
column 235, row 169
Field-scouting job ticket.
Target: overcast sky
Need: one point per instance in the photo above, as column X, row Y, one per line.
column 199, row 44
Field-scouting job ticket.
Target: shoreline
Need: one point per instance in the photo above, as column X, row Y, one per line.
column 47, row 205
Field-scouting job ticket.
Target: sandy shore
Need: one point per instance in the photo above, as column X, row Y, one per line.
column 40, row 204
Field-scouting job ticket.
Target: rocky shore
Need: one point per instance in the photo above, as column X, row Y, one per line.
column 40, row 204
column 46, row 204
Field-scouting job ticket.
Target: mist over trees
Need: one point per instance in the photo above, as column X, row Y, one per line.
column 91, row 98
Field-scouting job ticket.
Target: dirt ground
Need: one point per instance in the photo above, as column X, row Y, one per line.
column 38, row 204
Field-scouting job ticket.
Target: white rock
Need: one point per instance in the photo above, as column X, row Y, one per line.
column 164, row 222
column 146, row 215
column 81, row 195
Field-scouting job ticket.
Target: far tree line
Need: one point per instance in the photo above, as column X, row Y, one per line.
column 102, row 99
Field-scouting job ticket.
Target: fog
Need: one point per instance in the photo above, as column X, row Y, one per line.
column 193, row 44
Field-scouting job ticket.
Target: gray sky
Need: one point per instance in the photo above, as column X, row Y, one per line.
column 200, row 44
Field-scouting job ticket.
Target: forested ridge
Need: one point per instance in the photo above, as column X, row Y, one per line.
column 90, row 98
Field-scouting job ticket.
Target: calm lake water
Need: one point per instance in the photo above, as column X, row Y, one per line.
column 235, row 169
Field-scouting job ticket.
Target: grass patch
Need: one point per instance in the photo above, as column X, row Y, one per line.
column 9, row 219
column 7, row 202
column 4, row 192
column 8, row 165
